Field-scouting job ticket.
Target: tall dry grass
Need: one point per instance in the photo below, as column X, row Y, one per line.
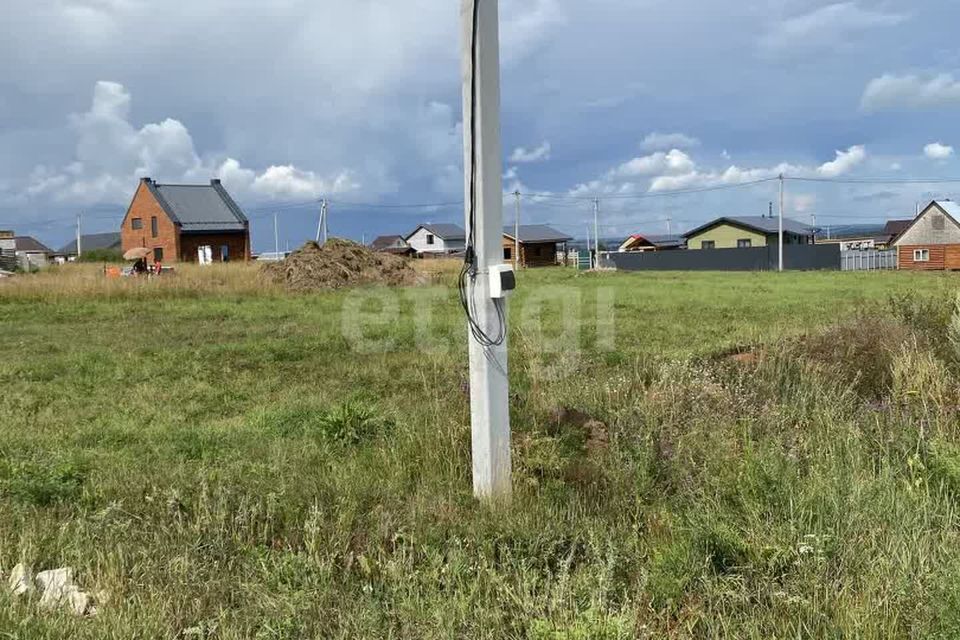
column 90, row 280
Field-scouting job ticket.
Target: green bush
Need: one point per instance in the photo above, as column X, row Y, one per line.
column 42, row 483
column 352, row 422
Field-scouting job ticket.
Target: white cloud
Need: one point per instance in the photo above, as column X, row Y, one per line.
column 911, row 91
column 526, row 25
column 660, row 141
column 828, row 27
column 522, row 155
column 845, row 162
column 938, row 151
column 111, row 154
column 675, row 161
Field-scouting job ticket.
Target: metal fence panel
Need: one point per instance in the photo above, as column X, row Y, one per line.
column 795, row 258
column 868, row 260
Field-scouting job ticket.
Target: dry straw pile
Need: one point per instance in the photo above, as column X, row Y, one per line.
column 339, row 264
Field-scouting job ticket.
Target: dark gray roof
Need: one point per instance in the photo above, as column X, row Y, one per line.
column 92, row 242
column 31, row 244
column 537, row 233
column 443, row 230
column 761, row 224
column 200, row 208
column 383, row 242
column 661, row 240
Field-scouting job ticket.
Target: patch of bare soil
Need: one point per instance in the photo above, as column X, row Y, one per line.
column 339, row 264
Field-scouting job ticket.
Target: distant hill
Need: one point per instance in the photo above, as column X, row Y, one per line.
column 850, row 230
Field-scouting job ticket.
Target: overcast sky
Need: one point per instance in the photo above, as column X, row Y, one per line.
column 358, row 100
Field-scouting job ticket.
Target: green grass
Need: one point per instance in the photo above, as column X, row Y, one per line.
column 248, row 464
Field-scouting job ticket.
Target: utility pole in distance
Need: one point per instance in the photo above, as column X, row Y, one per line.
column 596, row 232
column 276, row 236
column 516, row 233
column 79, row 248
column 322, row 224
column 780, row 243
column 483, row 167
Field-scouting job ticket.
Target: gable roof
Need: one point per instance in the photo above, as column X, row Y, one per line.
column 93, row 242
column 383, row 242
column 760, row 224
column 534, row 233
column 31, row 245
column 663, row 242
column 896, row 227
column 442, row 230
column 199, row 208
column 950, row 208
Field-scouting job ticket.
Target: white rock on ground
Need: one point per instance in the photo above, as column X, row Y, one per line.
column 21, row 580
column 58, row 590
column 55, row 585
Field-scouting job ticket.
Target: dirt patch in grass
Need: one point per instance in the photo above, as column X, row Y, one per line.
column 339, row 264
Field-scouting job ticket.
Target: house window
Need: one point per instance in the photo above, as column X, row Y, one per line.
column 136, row 224
column 708, row 244
column 224, row 253
column 537, row 251
column 508, row 253
column 744, row 243
column 158, row 254
column 153, row 227
column 430, row 238
column 921, row 255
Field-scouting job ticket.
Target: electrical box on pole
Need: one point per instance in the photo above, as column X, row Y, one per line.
column 484, row 279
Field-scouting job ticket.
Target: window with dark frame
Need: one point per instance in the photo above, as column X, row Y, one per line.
column 154, row 228
column 158, row 254
column 708, row 244
column 744, row 243
column 430, row 238
column 508, row 253
column 136, row 224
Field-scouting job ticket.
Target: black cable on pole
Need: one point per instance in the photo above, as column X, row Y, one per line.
column 468, row 272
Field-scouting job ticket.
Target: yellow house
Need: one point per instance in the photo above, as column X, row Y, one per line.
column 745, row 232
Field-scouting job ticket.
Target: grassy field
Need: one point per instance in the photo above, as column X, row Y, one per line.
column 779, row 456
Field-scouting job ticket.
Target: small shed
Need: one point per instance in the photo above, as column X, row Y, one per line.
column 932, row 241
column 539, row 245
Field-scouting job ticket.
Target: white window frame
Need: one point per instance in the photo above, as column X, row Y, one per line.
column 921, row 255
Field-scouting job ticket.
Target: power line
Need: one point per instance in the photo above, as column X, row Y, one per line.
column 877, row 181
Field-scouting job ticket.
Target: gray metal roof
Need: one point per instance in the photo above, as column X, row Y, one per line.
column 532, row 233
column 31, row 245
column 761, row 224
column 952, row 208
column 443, row 230
column 200, row 208
column 93, row 242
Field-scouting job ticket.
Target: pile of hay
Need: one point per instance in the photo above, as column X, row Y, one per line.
column 339, row 264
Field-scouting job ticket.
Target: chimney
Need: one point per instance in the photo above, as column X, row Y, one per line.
column 146, row 180
column 214, row 182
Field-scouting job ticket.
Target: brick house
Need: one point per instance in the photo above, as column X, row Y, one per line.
column 932, row 241
column 178, row 221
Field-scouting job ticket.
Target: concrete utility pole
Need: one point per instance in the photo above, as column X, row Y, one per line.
column 483, row 166
column 596, row 232
column 669, row 226
column 780, row 243
column 813, row 225
column 322, row 224
column 276, row 236
column 79, row 248
column 516, row 233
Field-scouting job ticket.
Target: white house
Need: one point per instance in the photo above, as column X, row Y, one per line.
column 437, row 239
